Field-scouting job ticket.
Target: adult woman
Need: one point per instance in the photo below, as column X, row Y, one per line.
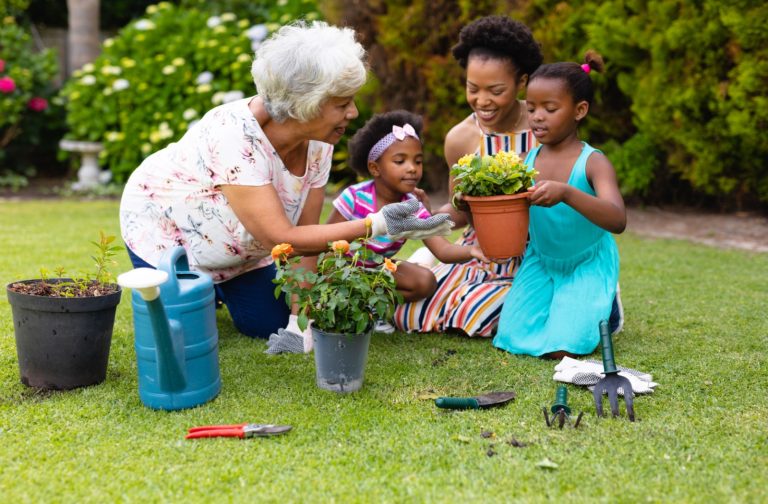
column 498, row 53
column 251, row 174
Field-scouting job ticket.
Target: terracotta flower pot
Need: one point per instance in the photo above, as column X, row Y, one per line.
column 501, row 223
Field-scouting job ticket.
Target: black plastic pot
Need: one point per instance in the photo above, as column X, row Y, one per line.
column 62, row 343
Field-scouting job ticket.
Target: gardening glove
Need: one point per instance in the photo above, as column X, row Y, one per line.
column 398, row 221
column 589, row 372
column 291, row 339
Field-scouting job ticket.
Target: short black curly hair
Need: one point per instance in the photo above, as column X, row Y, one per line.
column 499, row 37
column 374, row 130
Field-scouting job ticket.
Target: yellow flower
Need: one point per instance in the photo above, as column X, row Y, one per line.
column 281, row 251
column 466, row 159
column 341, row 246
column 389, row 265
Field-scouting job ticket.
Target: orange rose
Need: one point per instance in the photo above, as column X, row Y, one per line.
column 281, row 250
column 341, row 246
column 389, row 265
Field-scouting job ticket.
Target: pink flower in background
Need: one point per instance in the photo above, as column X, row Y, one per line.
column 37, row 104
column 2, row 65
column 7, row 85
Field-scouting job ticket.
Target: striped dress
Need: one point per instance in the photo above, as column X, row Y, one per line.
column 469, row 295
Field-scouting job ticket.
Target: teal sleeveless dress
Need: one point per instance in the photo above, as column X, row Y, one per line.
column 567, row 281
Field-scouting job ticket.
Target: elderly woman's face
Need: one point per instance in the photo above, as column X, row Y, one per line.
column 335, row 115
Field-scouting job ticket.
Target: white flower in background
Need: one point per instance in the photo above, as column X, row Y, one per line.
column 88, row 80
column 88, row 67
column 151, row 9
column 204, row 78
column 108, row 42
column 111, row 70
column 257, row 33
column 165, row 131
column 231, row 96
column 144, row 24
column 203, row 88
column 213, row 21
column 178, row 62
column 228, row 16
column 243, row 23
column 127, row 62
column 244, row 58
column 121, row 84
column 189, row 114
column 168, row 69
column 218, row 97
column 107, row 91
column 146, row 148
column 114, row 136
column 220, row 29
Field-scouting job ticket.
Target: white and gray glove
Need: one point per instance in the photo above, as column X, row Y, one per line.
column 291, row 339
column 398, row 221
column 588, row 372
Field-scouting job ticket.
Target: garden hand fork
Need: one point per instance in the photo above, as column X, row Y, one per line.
column 612, row 381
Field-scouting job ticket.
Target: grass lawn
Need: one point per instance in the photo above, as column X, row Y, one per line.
column 696, row 320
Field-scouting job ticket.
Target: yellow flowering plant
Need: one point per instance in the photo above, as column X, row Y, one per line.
column 502, row 173
column 352, row 288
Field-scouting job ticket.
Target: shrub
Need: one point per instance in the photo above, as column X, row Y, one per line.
column 409, row 45
column 159, row 75
column 25, row 91
column 685, row 82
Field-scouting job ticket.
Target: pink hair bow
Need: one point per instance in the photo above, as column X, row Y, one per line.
column 401, row 132
column 586, row 67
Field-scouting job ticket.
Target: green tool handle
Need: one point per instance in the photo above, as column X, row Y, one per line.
column 561, row 400
column 457, row 402
column 609, row 366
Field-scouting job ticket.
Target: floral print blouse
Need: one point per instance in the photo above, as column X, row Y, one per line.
column 174, row 197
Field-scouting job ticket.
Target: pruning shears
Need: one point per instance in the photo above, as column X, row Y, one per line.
column 244, row 430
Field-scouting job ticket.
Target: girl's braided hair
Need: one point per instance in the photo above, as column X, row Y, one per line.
column 575, row 75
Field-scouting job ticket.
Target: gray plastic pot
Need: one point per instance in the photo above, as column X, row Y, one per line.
column 62, row 343
column 340, row 360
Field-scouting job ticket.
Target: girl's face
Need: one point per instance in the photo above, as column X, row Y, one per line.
column 335, row 115
column 552, row 114
column 492, row 89
column 398, row 171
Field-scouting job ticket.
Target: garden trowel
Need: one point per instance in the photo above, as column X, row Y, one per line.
column 481, row 401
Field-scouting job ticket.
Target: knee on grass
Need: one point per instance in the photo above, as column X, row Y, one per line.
column 415, row 282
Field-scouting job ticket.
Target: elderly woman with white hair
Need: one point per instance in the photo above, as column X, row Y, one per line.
column 252, row 173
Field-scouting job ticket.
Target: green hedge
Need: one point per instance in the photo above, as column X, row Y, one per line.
column 681, row 108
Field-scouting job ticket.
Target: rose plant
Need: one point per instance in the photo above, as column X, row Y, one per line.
column 352, row 288
column 26, row 82
column 502, row 173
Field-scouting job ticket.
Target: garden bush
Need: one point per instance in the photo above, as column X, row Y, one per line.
column 680, row 109
column 25, row 93
column 160, row 74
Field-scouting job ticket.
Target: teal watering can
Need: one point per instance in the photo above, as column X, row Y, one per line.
column 177, row 343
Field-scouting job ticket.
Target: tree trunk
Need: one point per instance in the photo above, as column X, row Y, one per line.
column 84, row 43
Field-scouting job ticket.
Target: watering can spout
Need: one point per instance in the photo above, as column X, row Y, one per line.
column 168, row 334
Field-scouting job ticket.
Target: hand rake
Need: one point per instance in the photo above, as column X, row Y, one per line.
column 612, row 381
column 560, row 410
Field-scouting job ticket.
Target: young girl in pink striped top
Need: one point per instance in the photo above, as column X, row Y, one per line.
column 388, row 149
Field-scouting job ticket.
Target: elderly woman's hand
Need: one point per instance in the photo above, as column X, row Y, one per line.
column 398, row 221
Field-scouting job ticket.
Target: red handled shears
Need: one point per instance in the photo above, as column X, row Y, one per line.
column 244, row 430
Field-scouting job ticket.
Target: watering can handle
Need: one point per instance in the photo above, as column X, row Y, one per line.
column 173, row 261
column 606, row 344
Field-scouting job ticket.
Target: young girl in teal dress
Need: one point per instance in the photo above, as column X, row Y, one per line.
column 567, row 281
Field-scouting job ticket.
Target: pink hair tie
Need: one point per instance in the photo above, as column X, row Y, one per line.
column 586, row 68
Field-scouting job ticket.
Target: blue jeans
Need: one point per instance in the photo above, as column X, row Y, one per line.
column 250, row 299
